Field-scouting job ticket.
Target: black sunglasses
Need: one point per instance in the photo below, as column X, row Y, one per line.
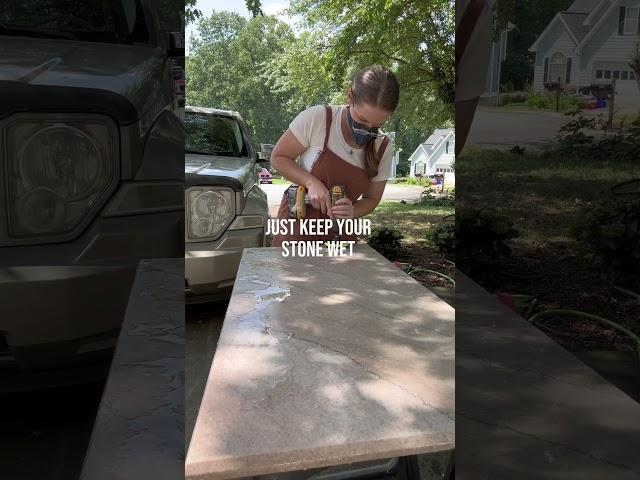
column 362, row 130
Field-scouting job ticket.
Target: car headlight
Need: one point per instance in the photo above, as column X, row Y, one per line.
column 58, row 169
column 209, row 212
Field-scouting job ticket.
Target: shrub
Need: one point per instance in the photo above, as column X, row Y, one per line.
column 574, row 143
column 610, row 229
column 515, row 97
column 539, row 100
column 386, row 241
column 571, row 103
column 547, row 101
column 572, row 140
column 482, row 236
column 442, row 238
column 423, row 181
column 429, row 197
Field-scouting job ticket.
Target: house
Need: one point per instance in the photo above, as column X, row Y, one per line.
column 590, row 43
column 435, row 156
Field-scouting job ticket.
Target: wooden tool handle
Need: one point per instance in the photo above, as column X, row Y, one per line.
column 301, row 207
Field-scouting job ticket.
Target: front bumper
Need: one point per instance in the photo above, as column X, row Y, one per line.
column 210, row 267
column 60, row 316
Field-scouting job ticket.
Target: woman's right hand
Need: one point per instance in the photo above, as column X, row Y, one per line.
column 319, row 196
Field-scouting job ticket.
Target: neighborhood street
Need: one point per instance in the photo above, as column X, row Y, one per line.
column 203, row 323
column 502, row 129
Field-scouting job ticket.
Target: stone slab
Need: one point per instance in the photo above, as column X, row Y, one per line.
column 139, row 429
column 324, row 361
column 529, row 409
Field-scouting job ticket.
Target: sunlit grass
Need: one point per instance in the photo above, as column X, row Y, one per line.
column 412, row 220
column 543, row 194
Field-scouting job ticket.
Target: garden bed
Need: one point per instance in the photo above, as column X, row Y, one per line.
column 545, row 198
column 413, row 221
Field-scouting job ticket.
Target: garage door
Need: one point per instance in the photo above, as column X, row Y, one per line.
column 627, row 90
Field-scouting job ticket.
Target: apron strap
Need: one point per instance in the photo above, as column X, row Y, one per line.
column 383, row 147
column 329, row 115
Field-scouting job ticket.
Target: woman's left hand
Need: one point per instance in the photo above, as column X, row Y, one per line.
column 343, row 208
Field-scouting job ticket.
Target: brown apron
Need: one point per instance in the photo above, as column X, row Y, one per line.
column 331, row 170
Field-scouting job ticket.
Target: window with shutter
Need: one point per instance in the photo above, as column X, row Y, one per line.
column 546, row 69
column 631, row 21
column 557, row 67
column 568, row 77
column 621, row 21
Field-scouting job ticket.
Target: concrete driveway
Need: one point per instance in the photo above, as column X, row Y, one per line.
column 502, row 129
column 203, row 323
column 392, row 193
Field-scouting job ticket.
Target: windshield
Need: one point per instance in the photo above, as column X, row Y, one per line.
column 209, row 134
column 109, row 21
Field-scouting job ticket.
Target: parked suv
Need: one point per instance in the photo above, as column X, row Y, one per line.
column 225, row 208
column 90, row 174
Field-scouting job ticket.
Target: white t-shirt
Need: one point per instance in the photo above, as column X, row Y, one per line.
column 309, row 128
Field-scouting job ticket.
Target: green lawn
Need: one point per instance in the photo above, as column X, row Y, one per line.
column 412, row 220
column 546, row 197
column 542, row 194
column 424, row 183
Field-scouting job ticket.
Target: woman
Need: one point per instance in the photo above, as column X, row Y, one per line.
column 340, row 145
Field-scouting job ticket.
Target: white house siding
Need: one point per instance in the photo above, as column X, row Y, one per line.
column 556, row 40
column 417, row 158
column 586, row 67
column 445, row 161
column 607, row 49
column 438, row 158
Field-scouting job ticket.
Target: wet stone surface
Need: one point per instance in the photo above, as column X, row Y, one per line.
column 325, row 361
column 139, row 429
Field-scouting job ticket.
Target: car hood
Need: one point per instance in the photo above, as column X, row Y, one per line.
column 130, row 71
column 237, row 173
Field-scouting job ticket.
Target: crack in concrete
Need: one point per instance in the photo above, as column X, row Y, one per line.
column 268, row 330
column 366, row 369
column 550, row 442
column 498, row 365
column 369, row 310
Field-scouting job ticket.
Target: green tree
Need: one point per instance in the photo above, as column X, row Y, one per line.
column 414, row 37
column 255, row 7
column 227, row 65
column 261, row 69
column 299, row 74
column 530, row 18
column 191, row 14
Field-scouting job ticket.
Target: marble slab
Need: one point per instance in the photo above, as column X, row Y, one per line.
column 526, row 408
column 324, row 361
column 139, row 429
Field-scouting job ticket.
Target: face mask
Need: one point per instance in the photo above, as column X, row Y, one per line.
column 360, row 138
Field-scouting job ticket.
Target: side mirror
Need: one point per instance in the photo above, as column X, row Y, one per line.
column 175, row 44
